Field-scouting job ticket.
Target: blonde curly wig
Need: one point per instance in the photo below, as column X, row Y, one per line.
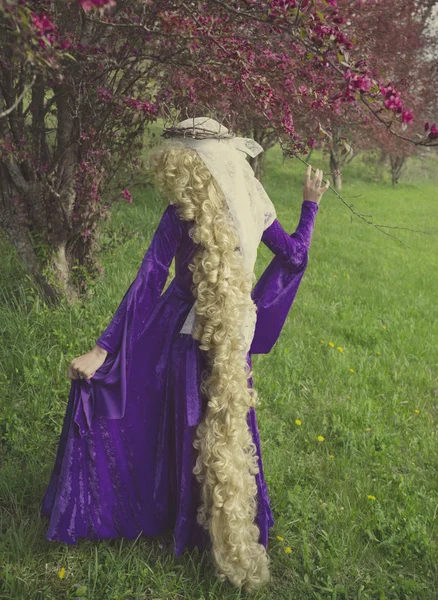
column 226, row 461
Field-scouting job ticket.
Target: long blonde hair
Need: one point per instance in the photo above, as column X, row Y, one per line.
column 226, row 462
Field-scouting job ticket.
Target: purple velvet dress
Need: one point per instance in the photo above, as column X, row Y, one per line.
column 125, row 456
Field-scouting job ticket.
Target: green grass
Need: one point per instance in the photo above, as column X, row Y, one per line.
column 383, row 314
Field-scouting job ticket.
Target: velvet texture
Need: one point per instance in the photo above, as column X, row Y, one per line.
column 125, row 456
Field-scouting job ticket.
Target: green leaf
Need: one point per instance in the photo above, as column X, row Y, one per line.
column 81, row 590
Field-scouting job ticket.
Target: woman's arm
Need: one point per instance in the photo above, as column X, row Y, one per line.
column 292, row 247
column 139, row 300
column 276, row 289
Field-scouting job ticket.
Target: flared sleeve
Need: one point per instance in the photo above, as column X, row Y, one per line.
column 276, row 289
column 140, row 298
column 104, row 394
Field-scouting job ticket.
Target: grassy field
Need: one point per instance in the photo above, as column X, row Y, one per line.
column 357, row 364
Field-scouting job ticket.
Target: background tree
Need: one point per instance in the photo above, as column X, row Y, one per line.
column 392, row 37
column 81, row 81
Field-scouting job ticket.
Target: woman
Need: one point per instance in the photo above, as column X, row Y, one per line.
column 160, row 430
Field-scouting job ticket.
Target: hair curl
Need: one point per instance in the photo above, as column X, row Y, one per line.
column 227, row 456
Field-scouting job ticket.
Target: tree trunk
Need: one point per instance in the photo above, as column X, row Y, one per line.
column 36, row 204
column 48, row 264
column 267, row 139
column 14, row 221
column 335, row 170
column 397, row 163
column 257, row 163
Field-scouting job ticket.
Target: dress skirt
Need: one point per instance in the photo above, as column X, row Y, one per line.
column 133, row 475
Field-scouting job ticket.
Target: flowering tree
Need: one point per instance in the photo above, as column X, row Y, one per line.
column 391, row 36
column 80, row 81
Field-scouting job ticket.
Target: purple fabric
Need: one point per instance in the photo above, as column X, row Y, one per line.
column 125, row 456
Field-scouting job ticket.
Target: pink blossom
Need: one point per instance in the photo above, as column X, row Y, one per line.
column 42, row 23
column 433, row 133
column 143, row 105
column 64, row 44
column 393, row 103
column 88, row 5
column 126, row 194
column 407, row 116
column 104, row 94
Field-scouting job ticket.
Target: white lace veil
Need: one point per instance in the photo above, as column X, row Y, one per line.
column 250, row 206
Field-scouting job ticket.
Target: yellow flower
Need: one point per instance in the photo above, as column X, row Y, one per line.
column 279, row 537
column 322, row 342
column 367, row 428
column 351, row 370
column 417, row 411
column 331, row 456
column 331, row 344
column 340, row 349
column 348, row 397
column 371, row 497
column 288, row 550
column 297, row 422
column 347, row 275
column 378, row 353
column 383, row 326
column 61, row 573
column 320, row 438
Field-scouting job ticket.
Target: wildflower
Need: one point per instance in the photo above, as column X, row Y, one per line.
column 351, row 370
column 297, row 422
column 322, row 342
column 279, row 537
column 288, row 550
column 417, row 411
column 383, row 326
column 347, row 275
column 331, row 456
column 340, row 349
column 371, row 497
column 367, row 428
column 61, row 573
column 378, row 353
column 320, row 438
column 331, row 344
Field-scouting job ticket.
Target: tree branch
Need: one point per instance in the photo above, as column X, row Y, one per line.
column 8, row 111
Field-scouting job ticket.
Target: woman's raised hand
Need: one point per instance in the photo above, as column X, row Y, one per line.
column 312, row 187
